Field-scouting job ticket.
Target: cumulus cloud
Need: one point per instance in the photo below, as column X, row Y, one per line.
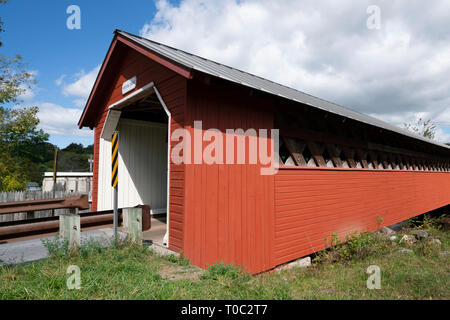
column 81, row 86
column 441, row 135
column 60, row 80
column 29, row 92
column 59, row 121
column 397, row 73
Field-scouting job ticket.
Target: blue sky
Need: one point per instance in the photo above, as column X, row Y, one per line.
column 37, row 30
column 397, row 72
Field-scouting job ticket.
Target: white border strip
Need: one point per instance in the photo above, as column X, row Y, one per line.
column 124, row 102
column 169, row 116
column 121, row 103
column 114, row 110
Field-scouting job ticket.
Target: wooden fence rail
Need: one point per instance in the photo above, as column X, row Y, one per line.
column 34, row 195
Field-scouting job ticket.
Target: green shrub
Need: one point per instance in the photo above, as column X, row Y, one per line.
column 221, row 270
column 90, row 247
column 180, row 260
column 357, row 246
column 56, row 246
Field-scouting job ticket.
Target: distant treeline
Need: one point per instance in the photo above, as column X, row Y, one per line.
column 73, row 158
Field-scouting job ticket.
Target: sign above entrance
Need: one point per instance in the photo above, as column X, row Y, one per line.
column 128, row 85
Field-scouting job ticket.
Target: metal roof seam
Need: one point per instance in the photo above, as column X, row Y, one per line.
column 256, row 82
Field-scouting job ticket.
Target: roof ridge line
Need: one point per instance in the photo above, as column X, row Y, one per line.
column 382, row 124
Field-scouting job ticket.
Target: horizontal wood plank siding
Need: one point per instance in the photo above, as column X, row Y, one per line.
column 311, row 204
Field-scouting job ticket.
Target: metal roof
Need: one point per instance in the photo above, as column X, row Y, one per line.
column 249, row 80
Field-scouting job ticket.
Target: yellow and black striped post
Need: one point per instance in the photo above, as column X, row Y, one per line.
column 115, row 160
column 115, row 177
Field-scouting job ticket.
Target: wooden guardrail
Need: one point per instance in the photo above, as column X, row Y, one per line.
column 36, row 195
column 75, row 202
column 18, row 229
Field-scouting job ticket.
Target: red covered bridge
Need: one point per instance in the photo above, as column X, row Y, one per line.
column 339, row 170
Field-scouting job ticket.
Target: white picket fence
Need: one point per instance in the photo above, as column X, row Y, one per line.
column 33, row 195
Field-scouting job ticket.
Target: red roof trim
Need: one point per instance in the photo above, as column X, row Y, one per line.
column 181, row 70
column 97, row 81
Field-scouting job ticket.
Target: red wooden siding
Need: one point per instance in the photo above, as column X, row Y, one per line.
column 228, row 208
column 232, row 213
column 311, row 204
column 173, row 91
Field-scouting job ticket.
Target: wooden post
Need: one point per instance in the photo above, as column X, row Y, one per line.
column 295, row 148
column 132, row 223
column 362, row 155
column 316, row 152
column 334, row 155
column 349, row 155
column 69, row 229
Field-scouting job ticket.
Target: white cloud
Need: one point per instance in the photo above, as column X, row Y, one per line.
column 81, row 87
column 28, row 93
column 442, row 136
column 325, row 49
column 79, row 102
column 60, row 80
column 59, row 121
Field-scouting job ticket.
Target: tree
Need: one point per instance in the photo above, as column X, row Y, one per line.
column 14, row 79
column 74, row 147
column 424, row 128
column 75, row 157
column 21, row 142
column 18, row 129
column 21, row 146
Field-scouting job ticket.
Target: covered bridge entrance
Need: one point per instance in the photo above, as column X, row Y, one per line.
column 336, row 170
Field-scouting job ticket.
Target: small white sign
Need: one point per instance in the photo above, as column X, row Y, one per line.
column 129, row 85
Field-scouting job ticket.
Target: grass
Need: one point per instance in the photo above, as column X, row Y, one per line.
column 132, row 272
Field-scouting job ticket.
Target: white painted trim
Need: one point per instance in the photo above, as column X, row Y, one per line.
column 169, row 116
column 104, row 194
column 111, row 122
column 138, row 94
column 114, row 110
